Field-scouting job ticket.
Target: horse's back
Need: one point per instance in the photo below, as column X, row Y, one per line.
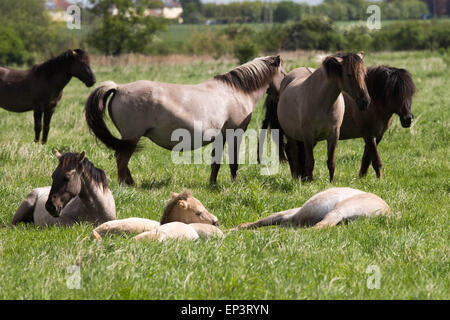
column 318, row 206
column 13, row 85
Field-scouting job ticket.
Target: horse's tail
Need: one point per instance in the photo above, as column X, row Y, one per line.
column 271, row 121
column 95, row 110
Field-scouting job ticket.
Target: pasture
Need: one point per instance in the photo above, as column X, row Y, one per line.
column 410, row 248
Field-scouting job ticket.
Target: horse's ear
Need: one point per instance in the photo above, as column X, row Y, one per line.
column 58, row 155
column 183, row 204
column 361, row 54
column 277, row 61
column 81, row 157
column 333, row 67
column 173, row 195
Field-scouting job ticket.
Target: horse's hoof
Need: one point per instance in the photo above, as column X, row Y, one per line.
column 95, row 235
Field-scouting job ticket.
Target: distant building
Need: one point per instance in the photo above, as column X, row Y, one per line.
column 438, row 8
column 57, row 9
column 170, row 9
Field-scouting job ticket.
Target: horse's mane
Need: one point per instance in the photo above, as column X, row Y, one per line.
column 70, row 160
column 352, row 61
column 173, row 202
column 58, row 63
column 385, row 82
column 252, row 75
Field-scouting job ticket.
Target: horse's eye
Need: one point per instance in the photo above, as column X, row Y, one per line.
column 198, row 213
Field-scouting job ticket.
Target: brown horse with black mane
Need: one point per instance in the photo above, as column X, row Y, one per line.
column 40, row 88
column 391, row 91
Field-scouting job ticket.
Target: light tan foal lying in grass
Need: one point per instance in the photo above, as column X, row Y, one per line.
column 326, row 209
column 184, row 217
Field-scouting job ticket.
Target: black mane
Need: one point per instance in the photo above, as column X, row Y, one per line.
column 69, row 160
column 385, row 83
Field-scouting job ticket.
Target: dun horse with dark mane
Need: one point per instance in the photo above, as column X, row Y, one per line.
column 40, row 88
column 156, row 110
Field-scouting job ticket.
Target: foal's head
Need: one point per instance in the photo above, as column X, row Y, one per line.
column 349, row 72
column 183, row 207
column 67, row 180
column 393, row 89
column 79, row 66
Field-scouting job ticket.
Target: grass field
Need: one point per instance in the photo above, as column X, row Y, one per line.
column 410, row 248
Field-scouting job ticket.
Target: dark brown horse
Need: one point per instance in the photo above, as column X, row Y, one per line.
column 40, row 88
column 391, row 91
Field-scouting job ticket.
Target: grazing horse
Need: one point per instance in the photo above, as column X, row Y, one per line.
column 156, row 110
column 79, row 192
column 311, row 108
column 391, row 91
column 325, row 209
column 41, row 87
column 181, row 210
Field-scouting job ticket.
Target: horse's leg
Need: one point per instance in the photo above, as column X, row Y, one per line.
column 365, row 161
column 301, row 158
column 47, row 117
column 331, row 150
column 293, row 156
column 309, row 159
column 261, row 138
column 281, row 146
column 216, row 158
column 122, row 159
column 37, row 114
column 374, row 155
column 283, row 218
column 25, row 211
column 233, row 153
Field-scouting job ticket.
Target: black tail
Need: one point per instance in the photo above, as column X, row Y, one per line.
column 95, row 110
column 271, row 121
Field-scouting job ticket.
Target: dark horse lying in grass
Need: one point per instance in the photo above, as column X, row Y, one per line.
column 391, row 91
column 40, row 88
column 79, row 192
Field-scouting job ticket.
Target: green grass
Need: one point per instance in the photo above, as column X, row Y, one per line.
column 411, row 247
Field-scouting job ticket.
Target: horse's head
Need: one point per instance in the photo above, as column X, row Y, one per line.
column 183, row 207
column 66, row 181
column 279, row 74
column 80, row 67
column 399, row 91
column 349, row 72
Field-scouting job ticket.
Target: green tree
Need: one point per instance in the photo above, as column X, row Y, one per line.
column 124, row 26
column 192, row 11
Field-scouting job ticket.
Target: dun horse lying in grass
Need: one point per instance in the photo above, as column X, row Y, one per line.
column 311, row 108
column 79, row 192
column 207, row 109
column 391, row 91
column 325, row 209
column 184, row 217
column 40, row 88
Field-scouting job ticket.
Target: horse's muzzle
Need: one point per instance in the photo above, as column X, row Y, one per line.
column 51, row 208
column 406, row 121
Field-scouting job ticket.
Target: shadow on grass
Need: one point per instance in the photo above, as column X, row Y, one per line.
column 155, row 184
